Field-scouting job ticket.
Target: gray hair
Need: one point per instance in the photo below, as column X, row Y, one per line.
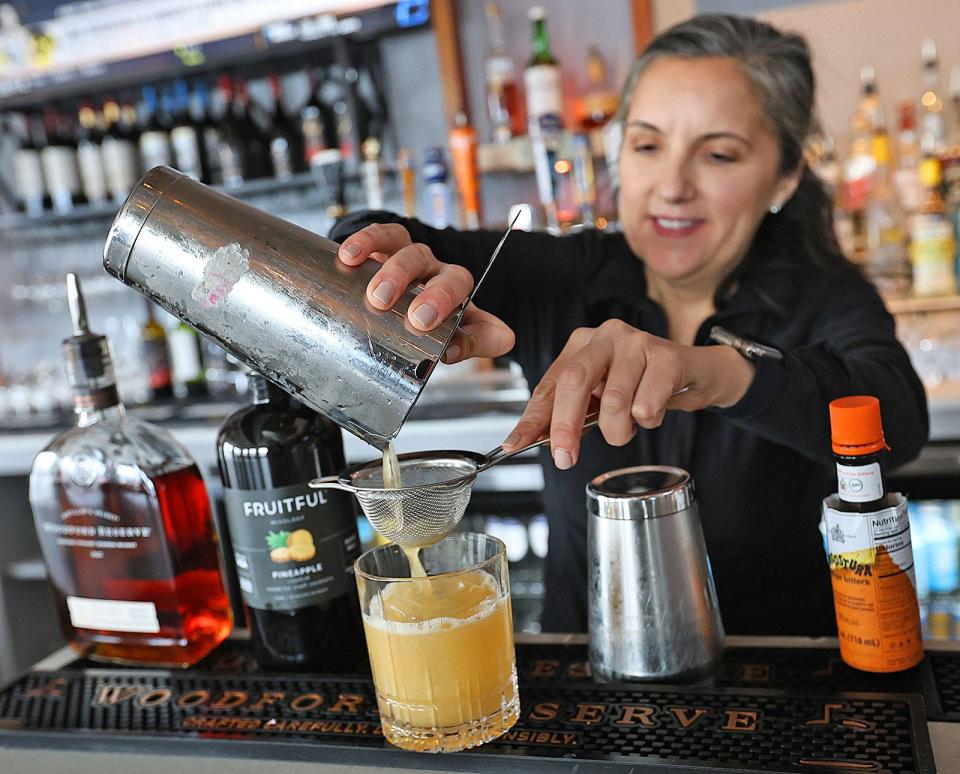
column 776, row 63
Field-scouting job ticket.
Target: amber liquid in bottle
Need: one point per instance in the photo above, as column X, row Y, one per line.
column 176, row 569
column 124, row 523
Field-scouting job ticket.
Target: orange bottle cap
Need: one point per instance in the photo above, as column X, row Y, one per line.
column 855, row 425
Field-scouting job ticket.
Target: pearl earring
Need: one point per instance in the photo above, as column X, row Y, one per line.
column 774, row 209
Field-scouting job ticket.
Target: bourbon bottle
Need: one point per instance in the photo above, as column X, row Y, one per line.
column 124, row 524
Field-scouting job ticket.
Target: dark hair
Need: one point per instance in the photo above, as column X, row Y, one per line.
column 778, row 66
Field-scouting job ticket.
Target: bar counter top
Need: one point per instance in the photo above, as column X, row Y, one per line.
column 767, row 674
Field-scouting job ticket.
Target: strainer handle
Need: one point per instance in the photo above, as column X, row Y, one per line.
column 499, row 455
column 330, row 482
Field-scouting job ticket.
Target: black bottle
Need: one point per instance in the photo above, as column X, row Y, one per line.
column 294, row 546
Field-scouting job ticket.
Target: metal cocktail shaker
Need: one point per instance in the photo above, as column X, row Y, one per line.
column 653, row 612
column 274, row 295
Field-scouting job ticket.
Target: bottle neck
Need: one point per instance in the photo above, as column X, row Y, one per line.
column 96, row 405
column 860, row 480
column 263, row 391
column 541, row 44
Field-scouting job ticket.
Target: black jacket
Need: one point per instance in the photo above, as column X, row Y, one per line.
column 762, row 466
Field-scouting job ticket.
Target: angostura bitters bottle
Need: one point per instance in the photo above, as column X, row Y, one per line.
column 124, row 524
column 868, row 540
column 294, row 546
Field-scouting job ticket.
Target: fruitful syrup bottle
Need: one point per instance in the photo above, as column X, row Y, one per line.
column 868, row 540
column 124, row 523
column 294, row 546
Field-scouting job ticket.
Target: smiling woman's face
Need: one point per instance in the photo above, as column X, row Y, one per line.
column 699, row 169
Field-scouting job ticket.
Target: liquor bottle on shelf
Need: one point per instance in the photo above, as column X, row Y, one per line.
column 93, row 180
column 334, row 91
column 294, row 546
column 286, row 144
column 186, row 134
column 189, row 379
column 27, row 168
column 156, row 355
column 406, row 175
column 599, row 101
column 933, row 134
column 206, row 109
column 313, row 125
column 118, row 149
column 58, row 158
column 932, row 241
column 154, row 131
column 542, row 79
column 907, row 175
column 371, row 173
column 887, row 259
column 436, row 183
column 231, row 149
column 124, row 524
column 504, row 106
column 463, row 154
column 870, row 107
column 951, row 156
column 584, row 184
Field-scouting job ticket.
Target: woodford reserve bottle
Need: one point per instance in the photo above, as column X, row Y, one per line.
column 294, row 546
column 124, row 524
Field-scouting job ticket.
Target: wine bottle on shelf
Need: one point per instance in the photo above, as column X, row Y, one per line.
column 155, row 131
column 27, row 169
column 156, row 355
column 542, row 79
column 250, row 133
column 314, row 125
column 294, row 546
column 186, row 137
column 189, row 378
column 118, row 150
column 93, row 179
column 206, row 108
column 231, row 152
column 286, row 142
column 59, row 161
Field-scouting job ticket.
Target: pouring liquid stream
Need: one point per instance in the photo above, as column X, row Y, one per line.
column 391, row 480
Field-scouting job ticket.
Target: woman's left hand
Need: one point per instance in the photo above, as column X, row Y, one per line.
column 635, row 376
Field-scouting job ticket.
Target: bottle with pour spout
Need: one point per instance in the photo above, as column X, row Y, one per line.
column 124, row 523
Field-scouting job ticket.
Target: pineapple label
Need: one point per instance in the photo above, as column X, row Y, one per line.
column 293, row 545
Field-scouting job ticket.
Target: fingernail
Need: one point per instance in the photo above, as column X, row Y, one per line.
column 350, row 251
column 512, row 440
column 562, row 459
column 453, row 353
column 384, row 292
column 424, row 315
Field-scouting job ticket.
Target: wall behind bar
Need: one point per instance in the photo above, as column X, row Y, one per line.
column 846, row 34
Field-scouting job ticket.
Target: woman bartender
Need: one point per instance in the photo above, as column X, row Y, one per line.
column 723, row 224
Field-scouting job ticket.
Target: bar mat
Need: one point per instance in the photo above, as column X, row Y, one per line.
column 749, row 730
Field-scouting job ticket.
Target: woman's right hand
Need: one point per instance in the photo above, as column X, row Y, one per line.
column 405, row 263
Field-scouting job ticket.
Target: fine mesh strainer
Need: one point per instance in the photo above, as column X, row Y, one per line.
column 435, row 492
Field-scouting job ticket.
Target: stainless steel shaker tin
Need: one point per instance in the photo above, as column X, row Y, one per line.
column 653, row 611
column 274, row 295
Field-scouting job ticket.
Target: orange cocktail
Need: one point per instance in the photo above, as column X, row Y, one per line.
column 441, row 646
